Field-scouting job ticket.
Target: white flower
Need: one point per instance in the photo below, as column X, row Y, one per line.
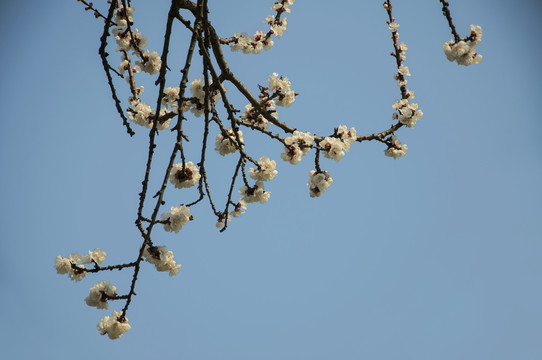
column 476, row 33
column 97, row 256
column 278, row 29
column 255, row 193
column 113, row 326
column 66, row 266
column 319, row 181
column 162, row 259
column 462, row 52
column 299, row 145
column 221, row 222
column 99, row 294
column 124, row 65
column 162, row 125
column 276, row 83
column 120, row 17
column 151, row 63
column 178, row 217
column 240, row 208
column 333, row 148
column 397, row 149
column 171, row 95
column 293, row 154
column 258, row 120
column 127, row 42
column 394, row 26
column 196, row 88
column 227, row 143
column 266, row 169
column 403, row 70
column 141, row 114
column 62, row 265
column 286, row 98
column 408, row 112
column 347, row 136
column 184, row 179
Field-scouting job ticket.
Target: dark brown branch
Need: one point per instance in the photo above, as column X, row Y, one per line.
column 106, row 66
column 448, row 16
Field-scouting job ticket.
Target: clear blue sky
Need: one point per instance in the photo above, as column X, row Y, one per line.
column 437, row 255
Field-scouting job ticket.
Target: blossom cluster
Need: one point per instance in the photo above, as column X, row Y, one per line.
column 114, row 326
column 255, row 193
column 396, row 149
column 239, row 209
column 252, row 116
column 131, row 39
column 73, row 264
column 335, row 147
column 261, row 40
column 184, row 176
column 281, row 87
column 99, row 294
column 464, row 51
column 265, row 171
column 319, row 181
column 162, row 259
column 175, row 219
column 296, row 146
column 407, row 112
column 227, row 142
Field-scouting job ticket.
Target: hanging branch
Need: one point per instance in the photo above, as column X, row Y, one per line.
column 260, row 115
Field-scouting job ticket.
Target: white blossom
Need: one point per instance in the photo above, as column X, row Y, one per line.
column 397, row 149
column 256, row 193
column 162, row 125
column 184, row 179
column 151, row 63
column 277, row 83
column 265, row 171
column 99, row 293
column 113, row 326
column 196, row 88
column 333, row 148
column 140, row 113
column 227, row 143
column 347, row 136
column 394, row 26
column 66, row 266
column 319, row 181
column 476, row 33
column 240, row 208
column 121, row 16
column 403, row 70
column 286, row 98
column 258, row 120
column 408, row 112
column 278, row 29
column 171, row 95
column 178, row 217
column 298, row 146
column 221, row 222
column 97, row 256
column 464, row 52
column 128, row 42
column 162, row 259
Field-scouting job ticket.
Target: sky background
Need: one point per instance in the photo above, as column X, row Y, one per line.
column 436, row 255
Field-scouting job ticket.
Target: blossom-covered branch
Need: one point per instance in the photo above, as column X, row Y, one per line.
column 209, row 93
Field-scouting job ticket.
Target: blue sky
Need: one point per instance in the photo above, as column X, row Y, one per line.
column 436, row 255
